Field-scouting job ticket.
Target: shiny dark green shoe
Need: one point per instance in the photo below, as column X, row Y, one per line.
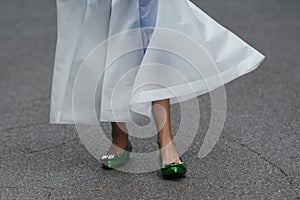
column 173, row 170
column 116, row 160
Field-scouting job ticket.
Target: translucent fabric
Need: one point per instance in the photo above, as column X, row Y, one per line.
column 117, row 69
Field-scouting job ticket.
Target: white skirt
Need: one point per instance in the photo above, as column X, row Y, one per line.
column 109, row 69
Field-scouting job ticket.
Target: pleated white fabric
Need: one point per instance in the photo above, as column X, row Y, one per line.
column 186, row 54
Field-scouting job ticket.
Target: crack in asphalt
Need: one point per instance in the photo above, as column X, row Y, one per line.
column 36, row 99
column 264, row 159
column 8, row 187
column 28, row 125
column 50, row 147
column 24, row 126
column 48, row 195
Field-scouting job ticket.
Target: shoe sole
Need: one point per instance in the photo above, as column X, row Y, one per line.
column 174, row 175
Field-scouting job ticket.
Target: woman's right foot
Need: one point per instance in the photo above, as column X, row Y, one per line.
column 120, row 148
column 119, row 138
column 117, row 147
column 111, row 161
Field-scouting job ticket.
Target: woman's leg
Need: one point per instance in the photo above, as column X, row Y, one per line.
column 119, row 137
column 161, row 113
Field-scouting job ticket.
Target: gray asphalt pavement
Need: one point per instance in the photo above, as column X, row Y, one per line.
column 257, row 156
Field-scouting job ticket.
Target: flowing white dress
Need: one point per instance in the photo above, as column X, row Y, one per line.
column 105, row 65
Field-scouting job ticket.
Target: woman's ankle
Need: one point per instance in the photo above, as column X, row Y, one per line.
column 164, row 142
column 119, row 134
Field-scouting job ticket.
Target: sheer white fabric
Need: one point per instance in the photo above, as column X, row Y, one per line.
column 187, row 54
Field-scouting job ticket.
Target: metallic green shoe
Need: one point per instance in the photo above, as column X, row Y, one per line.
column 116, row 160
column 173, row 170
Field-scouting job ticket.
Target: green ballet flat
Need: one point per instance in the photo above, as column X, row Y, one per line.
column 173, row 170
column 116, row 160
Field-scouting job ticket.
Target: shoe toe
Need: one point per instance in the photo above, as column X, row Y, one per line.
column 174, row 169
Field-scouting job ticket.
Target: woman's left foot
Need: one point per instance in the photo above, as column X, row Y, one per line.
column 171, row 164
column 174, row 169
